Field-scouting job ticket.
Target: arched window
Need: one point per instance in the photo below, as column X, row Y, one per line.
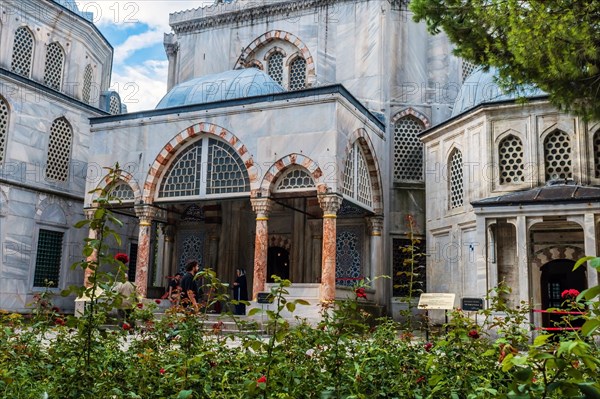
column 59, row 150
column 298, row 74
column 3, row 128
column 275, row 66
column 356, row 181
column 408, row 149
column 53, row 69
column 295, row 179
column 114, row 105
column 557, row 156
column 467, row 68
column 121, row 191
column 205, row 168
column 455, row 179
column 597, row 154
column 22, row 52
column 510, row 159
column 88, row 75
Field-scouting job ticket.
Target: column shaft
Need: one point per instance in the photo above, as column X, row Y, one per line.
column 262, row 207
column 330, row 203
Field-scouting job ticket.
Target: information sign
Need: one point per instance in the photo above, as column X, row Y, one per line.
column 430, row 301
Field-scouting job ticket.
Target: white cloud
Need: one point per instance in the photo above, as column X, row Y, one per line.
column 141, row 86
column 155, row 13
column 137, row 42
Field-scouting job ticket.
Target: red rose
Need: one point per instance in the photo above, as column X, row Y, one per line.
column 140, row 305
column 121, row 257
column 428, row 346
column 420, row 379
column 162, row 371
column 59, row 321
column 126, row 326
column 473, row 334
column 261, row 380
column 572, row 293
column 157, row 301
column 55, row 309
column 360, row 293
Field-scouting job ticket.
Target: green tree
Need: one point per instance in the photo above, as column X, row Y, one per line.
column 553, row 44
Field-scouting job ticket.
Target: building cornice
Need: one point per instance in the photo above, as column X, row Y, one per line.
column 246, row 11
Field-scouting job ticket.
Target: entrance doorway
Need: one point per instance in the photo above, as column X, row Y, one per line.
column 558, row 276
column 278, row 263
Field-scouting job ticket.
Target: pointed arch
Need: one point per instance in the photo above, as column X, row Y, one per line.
column 272, row 35
column 23, row 49
column 183, row 139
column 543, row 256
column 123, row 177
column 412, row 112
column 53, row 66
column 511, row 159
column 279, row 167
column 558, row 151
column 59, row 150
column 52, row 210
column 4, row 123
column 360, row 139
column 456, row 191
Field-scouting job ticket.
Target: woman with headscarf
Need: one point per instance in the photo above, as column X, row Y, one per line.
column 240, row 291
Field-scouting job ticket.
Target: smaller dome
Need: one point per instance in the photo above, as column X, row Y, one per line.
column 72, row 5
column 481, row 87
column 239, row 83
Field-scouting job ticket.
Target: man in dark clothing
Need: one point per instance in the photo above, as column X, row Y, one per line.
column 190, row 292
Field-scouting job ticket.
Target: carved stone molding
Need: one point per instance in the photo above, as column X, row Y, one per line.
column 330, row 203
column 145, row 213
column 262, row 207
column 375, row 225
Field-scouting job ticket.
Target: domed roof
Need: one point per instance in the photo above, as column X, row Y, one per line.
column 72, row 5
column 228, row 85
column 480, row 87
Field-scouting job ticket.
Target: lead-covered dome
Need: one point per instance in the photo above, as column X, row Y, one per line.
column 481, row 87
column 239, row 83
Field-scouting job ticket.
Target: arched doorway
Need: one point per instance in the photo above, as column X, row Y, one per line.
column 278, row 263
column 557, row 276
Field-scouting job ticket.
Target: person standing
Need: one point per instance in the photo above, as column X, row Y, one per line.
column 175, row 289
column 190, row 292
column 126, row 290
column 240, row 291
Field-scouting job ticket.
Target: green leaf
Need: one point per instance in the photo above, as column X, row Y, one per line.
column 185, row 394
column 590, row 293
column 581, row 261
column 81, row 223
column 595, row 263
column 254, row 311
column 541, row 339
column 99, row 214
column 301, row 302
column 291, row 307
column 590, row 326
column 589, row 391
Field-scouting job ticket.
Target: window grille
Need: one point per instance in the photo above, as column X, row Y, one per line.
column 86, row 91
column 183, row 178
column 275, row 67
column 401, row 255
column 53, row 69
column 295, row 179
column 348, row 178
column 408, row 150
column 225, row 170
column 206, row 167
column 3, row 127
column 455, row 176
column 122, row 191
column 467, row 68
column 510, row 157
column 192, row 248
column 356, row 178
column 114, row 105
column 59, row 150
column 596, row 154
column 348, row 265
column 557, row 156
column 298, row 74
column 48, row 258
column 22, row 52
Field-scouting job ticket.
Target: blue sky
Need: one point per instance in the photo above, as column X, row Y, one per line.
column 135, row 29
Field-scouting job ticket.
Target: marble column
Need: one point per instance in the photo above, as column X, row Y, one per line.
column 523, row 258
column 93, row 258
column 375, row 229
column 589, row 232
column 145, row 214
column 330, row 203
column 262, row 207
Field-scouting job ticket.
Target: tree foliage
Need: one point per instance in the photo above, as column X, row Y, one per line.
column 553, row 44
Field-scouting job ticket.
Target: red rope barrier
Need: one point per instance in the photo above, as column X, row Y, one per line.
column 558, row 328
column 557, row 311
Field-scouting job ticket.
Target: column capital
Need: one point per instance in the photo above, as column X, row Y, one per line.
column 375, row 225
column 330, row 203
column 145, row 213
column 262, row 207
column 89, row 212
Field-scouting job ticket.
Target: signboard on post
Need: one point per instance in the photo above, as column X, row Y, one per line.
column 431, row 301
column 472, row 304
column 264, row 297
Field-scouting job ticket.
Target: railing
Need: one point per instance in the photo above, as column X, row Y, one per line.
column 558, row 312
